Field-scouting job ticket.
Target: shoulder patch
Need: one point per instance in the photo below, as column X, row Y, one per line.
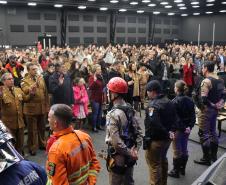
column 151, row 110
column 51, row 169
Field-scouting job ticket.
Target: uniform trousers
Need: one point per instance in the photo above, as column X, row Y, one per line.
column 36, row 132
column 180, row 144
column 19, row 136
column 118, row 179
column 157, row 161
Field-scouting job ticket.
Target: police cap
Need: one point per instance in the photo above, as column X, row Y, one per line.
column 154, row 85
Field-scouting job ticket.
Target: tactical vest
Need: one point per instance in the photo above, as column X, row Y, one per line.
column 216, row 93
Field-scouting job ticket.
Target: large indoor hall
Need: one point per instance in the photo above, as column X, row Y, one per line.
column 112, row 92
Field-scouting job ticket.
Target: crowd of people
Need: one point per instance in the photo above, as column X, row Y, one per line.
column 105, row 80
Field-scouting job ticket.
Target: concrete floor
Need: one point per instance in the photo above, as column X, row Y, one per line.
column 141, row 176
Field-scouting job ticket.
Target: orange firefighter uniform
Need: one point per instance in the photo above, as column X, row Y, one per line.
column 72, row 159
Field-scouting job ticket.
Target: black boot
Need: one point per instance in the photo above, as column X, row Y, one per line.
column 214, row 149
column 205, row 160
column 176, row 168
column 184, row 160
column 142, row 106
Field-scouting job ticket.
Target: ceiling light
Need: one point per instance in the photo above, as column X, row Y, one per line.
column 209, row 12
column 122, row 10
column 181, row 4
column 133, row 3
column 58, row 5
column 183, row 8
column 195, row 2
column 140, row 11
column 171, row 13
column 91, row 0
column 168, row 6
column 103, row 8
column 114, row 1
column 223, row 2
column 209, row 4
column 196, row 13
column 178, row 1
column 184, row 15
column 81, row 7
column 3, row 2
column 152, row 5
column 32, row 4
column 156, row 13
column 222, row 11
column 146, row 1
column 210, row 1
column 164, row 3
column 195, row 6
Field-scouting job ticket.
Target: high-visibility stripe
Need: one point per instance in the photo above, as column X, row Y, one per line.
column 93, row 172
column 80, row 171
column 81, row 180
column 49, row 182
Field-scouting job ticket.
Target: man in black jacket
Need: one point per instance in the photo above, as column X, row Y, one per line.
column 159, row 124
column 115, row 70
column 60, row 85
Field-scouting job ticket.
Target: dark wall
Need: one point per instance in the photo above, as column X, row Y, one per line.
column 190, row 28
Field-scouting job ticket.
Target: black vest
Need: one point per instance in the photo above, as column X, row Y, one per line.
column 217, row 91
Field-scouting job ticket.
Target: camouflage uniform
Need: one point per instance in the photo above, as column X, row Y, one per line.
column 116, row 122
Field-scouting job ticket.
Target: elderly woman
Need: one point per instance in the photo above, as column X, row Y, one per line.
column 96, row 86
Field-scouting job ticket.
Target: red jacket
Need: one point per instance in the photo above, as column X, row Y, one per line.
column 96, row 89
column 188, row 74
column 18, row 66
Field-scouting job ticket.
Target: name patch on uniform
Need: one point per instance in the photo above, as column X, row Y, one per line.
column 151, row 110
column 51, row 168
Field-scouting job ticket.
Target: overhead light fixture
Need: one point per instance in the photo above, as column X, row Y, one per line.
column 133, row 3
column 152, row 5
column 183, row 8
column 91, row 0
column 195, row 2
column 156, row 13
column 146, row 1
column 122, row 10
column 81, row 7
column 168, row 6
column 114, row 1
column 178, row 1
column 209, row 4
column 196, row 13
column 32, row 4
column 224, row 2
column 209, row 12
column 140, row 11
column 181, row 4
column 210, row 1
column 58, row 5
column 103, row 8
column 171, row 13
column 3, row 2
column 184, row 15
column 195, row 6
column 222, row 11
column 164, row 3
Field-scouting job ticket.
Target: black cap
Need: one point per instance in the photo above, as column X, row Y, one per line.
column 154, row 85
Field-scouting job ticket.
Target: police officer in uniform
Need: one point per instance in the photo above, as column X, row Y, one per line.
column 14, row 170
column 185, row 121
column 211, row 100
column 123, row 135
column 159, row 123
column 35, row 109
column 11, row 99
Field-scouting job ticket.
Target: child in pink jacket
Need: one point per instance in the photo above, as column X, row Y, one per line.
column 80, row 108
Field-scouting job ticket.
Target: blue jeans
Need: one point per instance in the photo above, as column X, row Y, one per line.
column 96, row 114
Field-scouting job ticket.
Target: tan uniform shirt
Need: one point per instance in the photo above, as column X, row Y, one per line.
column 11, row 107
column 39, row 104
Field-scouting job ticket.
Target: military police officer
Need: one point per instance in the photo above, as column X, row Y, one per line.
column 11, row 99
column 123, row 135
column 35, row 109
column 159, row 122
column 211, row 100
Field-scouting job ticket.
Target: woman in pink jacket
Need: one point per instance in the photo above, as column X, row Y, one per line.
column 80, row 108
